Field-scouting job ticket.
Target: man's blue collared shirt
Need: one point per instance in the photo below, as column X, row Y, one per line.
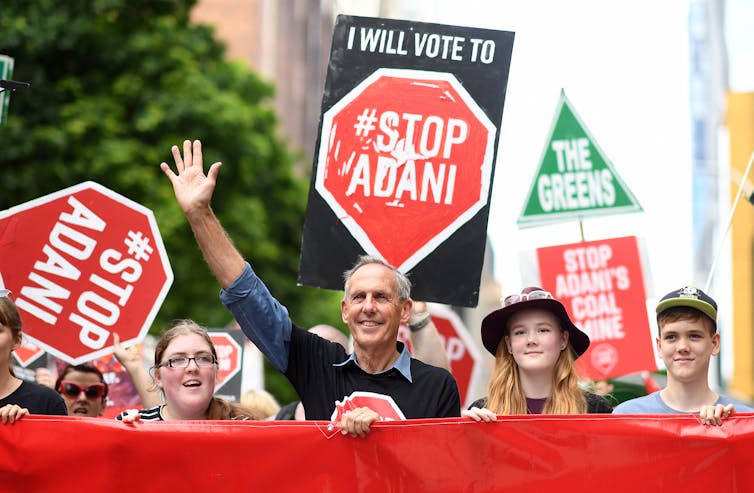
column 402, row 364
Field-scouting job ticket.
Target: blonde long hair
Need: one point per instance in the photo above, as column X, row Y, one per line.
column 506, row 396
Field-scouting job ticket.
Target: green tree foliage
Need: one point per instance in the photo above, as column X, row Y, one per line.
column 114, row 84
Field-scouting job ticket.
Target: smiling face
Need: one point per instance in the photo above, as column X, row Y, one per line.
column 686, row 346
column 80, row 405
column 372, row 308
column 535, row 340
column 188, row 391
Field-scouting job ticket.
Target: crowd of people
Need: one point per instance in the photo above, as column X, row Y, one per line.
column 532, row 338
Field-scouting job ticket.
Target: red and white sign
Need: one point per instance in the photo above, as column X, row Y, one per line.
column 229, row 356
column 409, row 151
column 601, row 284
column 83, row 262
column 463, row 354
column 27, row 352
column 384, row 405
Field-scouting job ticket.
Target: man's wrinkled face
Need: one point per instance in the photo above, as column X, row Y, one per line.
column 372, row 308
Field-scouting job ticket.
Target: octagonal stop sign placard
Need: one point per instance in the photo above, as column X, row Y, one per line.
column 406, row 151
column 27, row 352
column 83, row 263
column 229, row 358
column 463, row 354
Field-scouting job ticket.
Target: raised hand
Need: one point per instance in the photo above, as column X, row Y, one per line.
column 418, row 309
column 193, row 189
column 193, row 192
column 127, row 357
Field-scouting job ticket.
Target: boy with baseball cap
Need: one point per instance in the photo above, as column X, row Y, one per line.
column 688, row 338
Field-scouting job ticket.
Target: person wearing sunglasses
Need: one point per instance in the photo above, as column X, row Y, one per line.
column 185, row 373
column 83, row 389
column 535, row 345
column 129, row 358
column 19, row 397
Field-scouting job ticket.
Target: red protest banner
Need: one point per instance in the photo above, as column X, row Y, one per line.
column 673, row 453
column 601, row 284
column 83, row 262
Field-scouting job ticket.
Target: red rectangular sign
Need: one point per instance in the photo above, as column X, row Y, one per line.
column 601, row 284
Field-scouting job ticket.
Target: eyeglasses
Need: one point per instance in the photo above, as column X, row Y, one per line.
column 183, row 361
column 73, row 390
column 533, row 295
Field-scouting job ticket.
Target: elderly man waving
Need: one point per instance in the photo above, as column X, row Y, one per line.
column 378, row 381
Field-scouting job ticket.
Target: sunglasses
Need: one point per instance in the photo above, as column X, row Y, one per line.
column 72, row 390
column 6, row 293
column 533, row 295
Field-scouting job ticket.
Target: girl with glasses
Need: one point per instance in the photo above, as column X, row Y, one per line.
column 535, row 345
column 19, row 397
column 185, row 373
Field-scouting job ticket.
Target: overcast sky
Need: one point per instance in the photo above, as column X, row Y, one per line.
column 625, row 70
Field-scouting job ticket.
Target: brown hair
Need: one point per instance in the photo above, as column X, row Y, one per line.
column 218, row 408
column 506, row 396
column 83, row 368
column 677, row 313
column 10, row 317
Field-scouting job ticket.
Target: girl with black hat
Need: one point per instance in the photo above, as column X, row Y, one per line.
column 535, row 345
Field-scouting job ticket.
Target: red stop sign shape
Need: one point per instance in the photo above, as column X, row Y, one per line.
column 228, row 357
column 83, row 263
column 384, row 405
column 405, row 159
column 27, row 352
column 463, row 354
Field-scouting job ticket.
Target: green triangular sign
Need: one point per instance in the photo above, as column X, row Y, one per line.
column 575, row 178
column 6, row 71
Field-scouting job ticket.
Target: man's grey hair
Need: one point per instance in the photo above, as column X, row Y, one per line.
column 404, row 285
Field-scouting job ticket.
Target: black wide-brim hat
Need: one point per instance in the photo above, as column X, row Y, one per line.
column 494, row 325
